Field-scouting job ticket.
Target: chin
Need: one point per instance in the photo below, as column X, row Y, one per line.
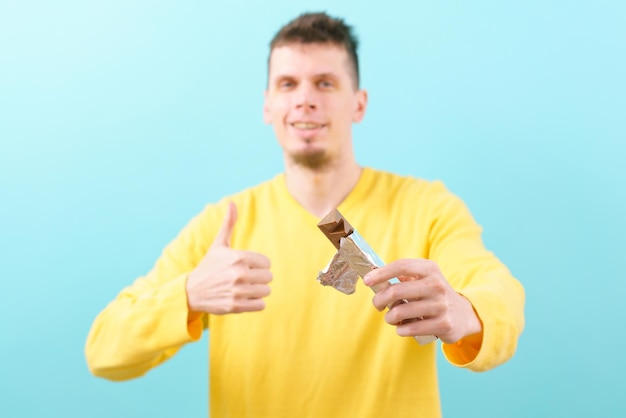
column 314, row 160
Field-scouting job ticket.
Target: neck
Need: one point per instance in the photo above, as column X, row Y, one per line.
column 320, row 191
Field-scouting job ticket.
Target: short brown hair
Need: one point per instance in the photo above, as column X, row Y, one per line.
column 320, row 28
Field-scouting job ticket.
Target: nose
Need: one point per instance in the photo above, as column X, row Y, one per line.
column 306, row 97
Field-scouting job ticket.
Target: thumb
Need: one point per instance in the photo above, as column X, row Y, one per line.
column 226, row 230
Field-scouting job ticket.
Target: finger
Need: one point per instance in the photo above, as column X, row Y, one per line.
column 417, row 328
column 414, row 267
column 257, row 276
column 253, row 291
column 403, row 313
column 254, row 260
column 226, row 230
column 248, row 305
column 398, row 292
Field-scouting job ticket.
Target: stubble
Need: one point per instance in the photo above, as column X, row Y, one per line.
column 313, row 160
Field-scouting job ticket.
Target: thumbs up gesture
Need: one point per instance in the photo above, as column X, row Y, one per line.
column 226, row 280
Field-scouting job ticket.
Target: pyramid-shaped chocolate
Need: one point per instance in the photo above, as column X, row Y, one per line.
column 335, row 227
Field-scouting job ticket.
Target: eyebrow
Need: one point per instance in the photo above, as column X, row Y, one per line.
column 320, row 75
column 326, row 75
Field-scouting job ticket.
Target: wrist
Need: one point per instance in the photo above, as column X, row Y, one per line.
column 473, row 325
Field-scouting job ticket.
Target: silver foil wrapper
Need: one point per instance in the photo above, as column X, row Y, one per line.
column 356, row 258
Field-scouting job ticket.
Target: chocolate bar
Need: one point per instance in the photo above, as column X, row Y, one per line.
column 354, row 258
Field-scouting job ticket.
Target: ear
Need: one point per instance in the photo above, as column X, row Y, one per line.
column 267, row 118
column 361, row 105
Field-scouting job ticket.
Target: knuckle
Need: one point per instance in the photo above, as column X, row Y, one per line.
column 226, row 254
column 395, row 292
column 445, row 325
column 231, row 305
column 404, row 264
column 237, row 293
column 238, row 274
column 438, row 288
column 238, row 258
column 440, row 309
column 433, row 267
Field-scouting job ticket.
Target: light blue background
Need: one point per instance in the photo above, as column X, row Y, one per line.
column 119, row 120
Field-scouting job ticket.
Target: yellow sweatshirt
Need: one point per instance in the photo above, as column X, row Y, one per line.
column 315, row 352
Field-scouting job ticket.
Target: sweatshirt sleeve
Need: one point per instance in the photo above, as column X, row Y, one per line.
column 476, row 273
column 149, row 321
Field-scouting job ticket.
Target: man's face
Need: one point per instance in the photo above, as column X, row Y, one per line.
column 312, row 101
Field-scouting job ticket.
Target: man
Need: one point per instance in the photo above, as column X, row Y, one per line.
column 281, row 345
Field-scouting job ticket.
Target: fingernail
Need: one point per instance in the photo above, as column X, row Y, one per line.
column 366, row 279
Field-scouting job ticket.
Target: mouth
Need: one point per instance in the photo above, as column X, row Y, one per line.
column 307, row 126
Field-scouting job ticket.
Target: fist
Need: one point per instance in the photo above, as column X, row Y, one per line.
column 227, row 280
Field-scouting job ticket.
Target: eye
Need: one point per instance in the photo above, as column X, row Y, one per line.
column 286, row 84
column 325, row 84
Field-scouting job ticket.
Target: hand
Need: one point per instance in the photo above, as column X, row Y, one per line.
column 226, row 280
column 433, row 307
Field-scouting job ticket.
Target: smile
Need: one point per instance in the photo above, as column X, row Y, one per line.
column 307, row 125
